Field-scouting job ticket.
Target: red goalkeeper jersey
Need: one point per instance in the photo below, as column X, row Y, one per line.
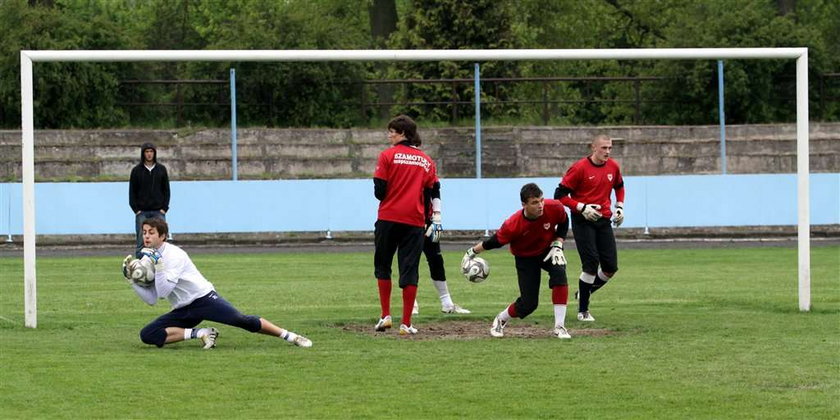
column 408, row 172
column 530, row 238
column 593, row 184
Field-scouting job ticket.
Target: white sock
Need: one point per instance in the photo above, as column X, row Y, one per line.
column 504, row 315
column 605, row 278
column 559, row 315
column 443, row 292
column 288, row 336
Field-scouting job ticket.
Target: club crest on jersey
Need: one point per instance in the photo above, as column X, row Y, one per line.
column 609, row 177
column 546, row 226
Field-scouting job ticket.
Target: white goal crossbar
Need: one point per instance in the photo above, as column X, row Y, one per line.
column 27, row 57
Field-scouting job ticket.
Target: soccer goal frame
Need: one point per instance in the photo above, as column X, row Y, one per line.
column 28, row 57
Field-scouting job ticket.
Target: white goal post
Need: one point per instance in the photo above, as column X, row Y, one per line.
column 28, row 57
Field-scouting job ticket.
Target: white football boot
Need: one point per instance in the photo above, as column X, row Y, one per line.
column 383, row 323
column 407, row 329
column 302, row 341
column 209, row 338
column 560, row 332
column 585, row 316
column 498, row 328
column 454, row 309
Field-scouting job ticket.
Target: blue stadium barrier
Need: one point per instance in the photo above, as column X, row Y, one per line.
column 468, row 204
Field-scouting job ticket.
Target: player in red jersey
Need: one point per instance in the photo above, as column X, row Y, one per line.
column 586, row 189
column 402, row 178
column 535, row 234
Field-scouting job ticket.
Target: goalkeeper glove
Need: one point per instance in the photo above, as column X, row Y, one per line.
column 466, row 260
column 151, row 253
column 619, row 214
column 128, row 267
column 555, row 255
column 590, row 211
column 435, row 229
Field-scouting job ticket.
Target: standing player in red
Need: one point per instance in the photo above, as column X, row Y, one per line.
column 404, row 175
column 535, row 234
column 586, row 190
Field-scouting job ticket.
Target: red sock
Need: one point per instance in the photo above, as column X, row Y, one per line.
column 384, row 296
column 409, row 293
column 512, row 311
column 560, row 294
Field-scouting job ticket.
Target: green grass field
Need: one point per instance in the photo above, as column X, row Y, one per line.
column 691, row 333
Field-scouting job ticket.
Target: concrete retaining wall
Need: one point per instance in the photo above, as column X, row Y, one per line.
column 108, row 155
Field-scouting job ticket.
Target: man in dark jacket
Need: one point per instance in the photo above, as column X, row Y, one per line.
column 148, row 191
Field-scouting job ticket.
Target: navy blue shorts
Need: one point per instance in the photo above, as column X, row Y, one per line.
column 210, row 307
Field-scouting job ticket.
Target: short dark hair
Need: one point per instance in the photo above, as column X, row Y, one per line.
column 404, row 125
column 159, row 224
column 528, row 191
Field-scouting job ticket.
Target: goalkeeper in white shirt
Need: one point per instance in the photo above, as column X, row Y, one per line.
column 192, row 297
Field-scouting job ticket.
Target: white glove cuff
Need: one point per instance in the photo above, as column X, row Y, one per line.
column 619, row 205
column 436, row 204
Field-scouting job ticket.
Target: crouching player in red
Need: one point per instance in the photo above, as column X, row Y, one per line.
column 192, row 297
column 535, row 234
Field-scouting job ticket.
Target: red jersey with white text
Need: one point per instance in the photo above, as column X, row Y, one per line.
column 530, row 238
column 592, row 184
column 408, row 172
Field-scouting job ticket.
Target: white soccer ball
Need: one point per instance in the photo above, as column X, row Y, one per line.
column 143, row 272
column 477, row 270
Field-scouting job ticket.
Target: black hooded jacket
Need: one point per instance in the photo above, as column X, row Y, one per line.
column 148, row 190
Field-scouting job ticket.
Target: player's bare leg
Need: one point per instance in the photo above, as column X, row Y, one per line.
column 267, row 328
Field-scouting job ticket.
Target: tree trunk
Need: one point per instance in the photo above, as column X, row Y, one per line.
column 383, row 22
column 786, row 6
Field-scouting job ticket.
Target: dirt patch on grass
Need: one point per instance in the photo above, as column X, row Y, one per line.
column 470, row 330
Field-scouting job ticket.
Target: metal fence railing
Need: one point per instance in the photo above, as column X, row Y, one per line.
column 209, row 99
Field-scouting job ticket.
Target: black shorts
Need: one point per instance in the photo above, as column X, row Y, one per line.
column 404, row 240
column 595, row 244
column 434, row 258
column 529, row 273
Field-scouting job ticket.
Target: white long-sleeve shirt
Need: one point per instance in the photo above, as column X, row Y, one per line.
column 176, row 279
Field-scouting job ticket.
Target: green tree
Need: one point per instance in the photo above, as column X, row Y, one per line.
column 294, row 93
column 67, row 94
column 453, row 24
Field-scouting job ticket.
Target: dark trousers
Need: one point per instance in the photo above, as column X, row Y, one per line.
column 595, row 243
column 528, row 272
column 210, row 307
column 434, row 258
column 404, row 240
